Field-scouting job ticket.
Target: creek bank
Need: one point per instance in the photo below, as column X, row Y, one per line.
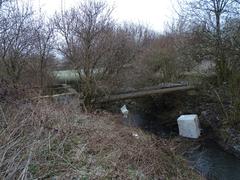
column 159, row 111
column 229, row 140
column 226, row 137
column 69, row 144
column 211, row 118
column 213, row 162
column 203, row 154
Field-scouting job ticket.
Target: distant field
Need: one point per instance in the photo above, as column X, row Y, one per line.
column 66, row 75
column 72, row 75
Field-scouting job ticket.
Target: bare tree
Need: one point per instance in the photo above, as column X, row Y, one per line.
column 84, row 30
column 232, row 43
column 127, row 43
column 93, row 45
column 213, row 14
column 44, row 46
column 16, row 40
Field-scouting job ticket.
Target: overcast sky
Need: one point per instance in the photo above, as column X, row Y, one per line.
column 154, row 13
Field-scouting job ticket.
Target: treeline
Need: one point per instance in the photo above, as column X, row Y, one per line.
column 86, row 38
column 110, row 56
column 26, row 44
column 214, row 29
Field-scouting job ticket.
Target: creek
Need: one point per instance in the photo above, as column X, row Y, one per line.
column 209, row 159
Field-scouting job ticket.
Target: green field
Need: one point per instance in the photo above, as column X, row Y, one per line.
column 66, row 75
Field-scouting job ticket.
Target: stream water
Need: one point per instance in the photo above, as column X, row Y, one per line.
column 209, row 160
column 214, row 163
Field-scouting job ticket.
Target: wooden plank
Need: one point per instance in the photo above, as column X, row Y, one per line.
column 143, row 93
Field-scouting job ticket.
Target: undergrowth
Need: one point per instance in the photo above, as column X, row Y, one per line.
column 42, row 140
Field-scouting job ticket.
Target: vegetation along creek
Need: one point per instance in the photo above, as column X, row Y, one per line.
column 89, row 92
column 157, row 115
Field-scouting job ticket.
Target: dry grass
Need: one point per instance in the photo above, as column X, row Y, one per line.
column 44, row 140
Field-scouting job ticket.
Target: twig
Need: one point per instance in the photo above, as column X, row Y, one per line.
column 66, row 161
column 23, row 175
column 4, row 117
column 6, row 150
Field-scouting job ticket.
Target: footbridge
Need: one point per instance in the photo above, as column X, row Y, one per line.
column 163, row 88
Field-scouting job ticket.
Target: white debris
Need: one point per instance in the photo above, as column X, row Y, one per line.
column 125, row 111
column 189, row 126
column 135, row 135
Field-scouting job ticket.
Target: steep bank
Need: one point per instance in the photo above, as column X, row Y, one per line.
column 211, row 116
column 213, row 120
column 49, row 140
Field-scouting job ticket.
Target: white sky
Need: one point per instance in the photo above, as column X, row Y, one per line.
column 154, row 13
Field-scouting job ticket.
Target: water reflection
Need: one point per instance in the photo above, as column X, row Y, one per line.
column 214, row 163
